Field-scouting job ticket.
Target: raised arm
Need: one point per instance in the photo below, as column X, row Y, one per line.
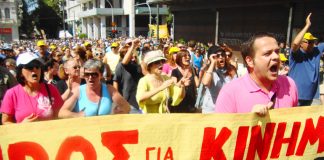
column 298, row 39
column 66, row 110
column 208, row 77
column 128, row 56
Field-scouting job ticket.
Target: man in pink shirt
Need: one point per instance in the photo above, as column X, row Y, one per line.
column 262, row 88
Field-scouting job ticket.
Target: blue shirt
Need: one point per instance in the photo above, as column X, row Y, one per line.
column 91, row 108
column 304, row 70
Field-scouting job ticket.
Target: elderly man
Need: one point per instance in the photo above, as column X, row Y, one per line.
column 304, row 64
column 262, row 88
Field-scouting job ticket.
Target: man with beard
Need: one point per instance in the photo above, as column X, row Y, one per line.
column 304, row 64
column 262, row 88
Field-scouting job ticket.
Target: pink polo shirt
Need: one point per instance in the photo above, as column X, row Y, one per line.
column 241, row 94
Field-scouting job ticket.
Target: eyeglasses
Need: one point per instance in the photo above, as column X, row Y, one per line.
column 309, row 42
column 76, row 67
column 31, row 66
column 218, row 55
column 92, row 74
column 98, row 54
column 228, row 55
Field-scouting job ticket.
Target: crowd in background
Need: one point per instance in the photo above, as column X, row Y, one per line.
column 49, row 79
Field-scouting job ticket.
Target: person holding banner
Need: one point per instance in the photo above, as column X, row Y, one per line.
column 262, row 88
column 32, row 99
column 156, row 92
column 93, row 98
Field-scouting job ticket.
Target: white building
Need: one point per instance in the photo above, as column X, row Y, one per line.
column 9, row 21
column 95, row 17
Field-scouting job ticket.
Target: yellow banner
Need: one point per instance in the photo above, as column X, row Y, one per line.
column 296, row 133
column 163, row 31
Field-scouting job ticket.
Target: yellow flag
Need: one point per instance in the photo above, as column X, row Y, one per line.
column 163, row 31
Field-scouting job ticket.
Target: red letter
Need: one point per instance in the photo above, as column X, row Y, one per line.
column 76, row 144
column 114, row 142
column 168, row 154
column 256, row 142
column 1, row 158
column 212, row 147
column 279, row 140
column 148, row 152
column 241, row 139
column 18, row 151
column 312, row 135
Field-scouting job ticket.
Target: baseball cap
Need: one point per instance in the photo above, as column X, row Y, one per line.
column 115, row 44
column 174, row 50
column 309, row 36
column 86, row 44
column 282, row 57
column 153, row 56
column 41, row 43
column 128, row 41
column 25, row 58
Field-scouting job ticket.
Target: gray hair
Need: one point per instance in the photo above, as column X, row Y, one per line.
column 94, row 64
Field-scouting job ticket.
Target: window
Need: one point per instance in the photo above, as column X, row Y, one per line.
column 0, row 14
column 7, row 13
column 97, row 3
column 90, row 5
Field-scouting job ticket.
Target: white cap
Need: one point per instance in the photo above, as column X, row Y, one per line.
column 25, row 58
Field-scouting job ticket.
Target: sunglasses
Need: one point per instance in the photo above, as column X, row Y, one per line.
column 309, row 42
column 98, row 54
column 31, row 66
column 92, row 74
column 218, row 55
column 76, row 67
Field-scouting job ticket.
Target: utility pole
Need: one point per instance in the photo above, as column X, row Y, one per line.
column 63, row 17
column 157, row 24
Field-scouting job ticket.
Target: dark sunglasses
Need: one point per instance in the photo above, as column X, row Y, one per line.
column 31, row 66
column 76, row 67
column 98, row 54
column 309, row 42
column 218, row 55
column 92, row 74
column 159, row 62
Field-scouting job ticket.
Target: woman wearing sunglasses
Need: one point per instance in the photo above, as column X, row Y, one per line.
column 93, row 98
column 32, row 99
column 218, row 73
column 155, row 91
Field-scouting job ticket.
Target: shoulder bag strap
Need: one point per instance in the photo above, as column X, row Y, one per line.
column 48, row 92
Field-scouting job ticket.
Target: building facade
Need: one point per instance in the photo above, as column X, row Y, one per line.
column 100, row 18
column 9, row 21
column 234, row 21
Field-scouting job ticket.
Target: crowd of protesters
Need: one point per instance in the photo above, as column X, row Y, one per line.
column 50, row 79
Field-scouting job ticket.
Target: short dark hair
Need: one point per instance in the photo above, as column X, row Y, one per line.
column 247, row 48
column 50, row 63
column 21, row 78
column 192, row 43
column 214, row 50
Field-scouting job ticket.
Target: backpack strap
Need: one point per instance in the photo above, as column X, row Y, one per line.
column 48, row 92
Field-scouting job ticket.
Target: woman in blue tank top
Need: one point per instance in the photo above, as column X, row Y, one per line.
column 93, row 98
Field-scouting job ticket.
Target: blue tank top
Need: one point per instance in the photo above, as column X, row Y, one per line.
column 91, row 108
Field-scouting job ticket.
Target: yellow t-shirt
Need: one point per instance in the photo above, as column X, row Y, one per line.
column 157, row 103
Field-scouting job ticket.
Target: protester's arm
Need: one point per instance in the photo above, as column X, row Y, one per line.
column 208, row 77
column 122, row 106
column 7, row 119
column 69, row 104
column 296, row 43
column 115, row 85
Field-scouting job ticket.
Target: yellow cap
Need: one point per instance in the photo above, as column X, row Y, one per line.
column 282, row 57
column 174, row 50
column 86, row 43
column 309, row 36
column 52, row 46
column 41, row 43
column 115, row 44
